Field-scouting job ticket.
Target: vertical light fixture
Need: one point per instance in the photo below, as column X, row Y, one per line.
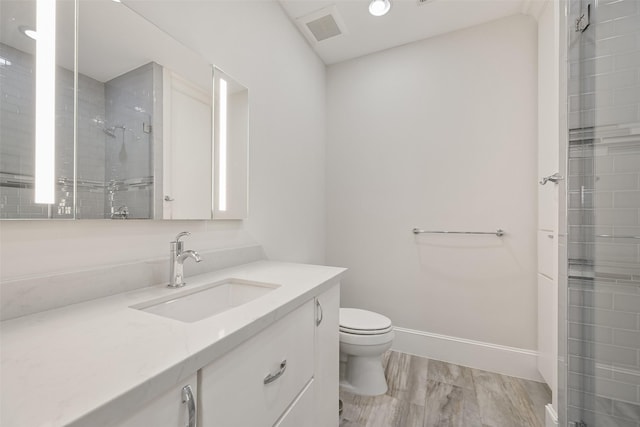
column 222, row 147
column 45, row 101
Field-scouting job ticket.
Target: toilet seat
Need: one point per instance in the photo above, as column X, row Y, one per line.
column 362, row 322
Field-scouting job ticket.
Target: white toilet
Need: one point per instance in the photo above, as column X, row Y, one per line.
column 364, row 337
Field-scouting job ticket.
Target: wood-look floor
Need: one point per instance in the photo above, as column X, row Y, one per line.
column 427, row 393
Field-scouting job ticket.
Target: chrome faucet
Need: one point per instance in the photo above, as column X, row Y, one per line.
column 176, row 260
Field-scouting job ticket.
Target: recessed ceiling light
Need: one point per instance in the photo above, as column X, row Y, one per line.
column 379, row 7
column 28, row 31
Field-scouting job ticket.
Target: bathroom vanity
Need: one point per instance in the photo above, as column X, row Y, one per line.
column 270, row 361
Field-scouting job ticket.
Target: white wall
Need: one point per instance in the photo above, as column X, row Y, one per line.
column 439, row 134
column 256, row 43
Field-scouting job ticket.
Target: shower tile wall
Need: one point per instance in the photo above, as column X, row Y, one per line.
column 90, row 150
column 130, row 103
column 17, row 157
column 603, row 379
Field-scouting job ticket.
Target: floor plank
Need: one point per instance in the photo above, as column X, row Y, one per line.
column 502, row 401
column 407, row 377
column 540, row 395
column 431, row 393
column 379, row 411
column 449, row 373
column 451, row 405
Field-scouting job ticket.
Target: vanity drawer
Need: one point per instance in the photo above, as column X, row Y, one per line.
column 299, row 413
column 253, row 384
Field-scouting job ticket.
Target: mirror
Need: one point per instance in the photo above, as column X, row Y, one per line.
column 18, row 73
column 138, row 128
column 143, row 121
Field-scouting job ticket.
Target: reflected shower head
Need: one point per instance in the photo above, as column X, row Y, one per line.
column 102, row 125
column 109, row 131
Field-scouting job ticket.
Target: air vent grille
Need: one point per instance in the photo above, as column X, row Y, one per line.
column 324, row 28
column 322, row 24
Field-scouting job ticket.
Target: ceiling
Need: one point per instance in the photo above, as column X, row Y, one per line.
column 105, row 51
column 406, row 22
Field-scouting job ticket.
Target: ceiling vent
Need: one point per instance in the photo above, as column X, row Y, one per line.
column 322, row 24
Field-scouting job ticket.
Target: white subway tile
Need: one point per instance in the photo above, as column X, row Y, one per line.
column 626, row 199
column 616, row 115
column 627, row 162
column 621, row 320
column 618, row 181
column 626, row 338
column 626, row 410
column 616, row 10
column 594, row 333
column 630, row 303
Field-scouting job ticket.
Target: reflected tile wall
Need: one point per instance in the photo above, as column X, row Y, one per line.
column 130, row 104
column 17, row 133
column 129, row 155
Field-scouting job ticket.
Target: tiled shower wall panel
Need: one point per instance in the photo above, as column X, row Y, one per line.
column 17, row 74
column 604, row 200
column 18, row 135
column 90, row 151
column 129, row 104
column 17, row 132
column 604, row 64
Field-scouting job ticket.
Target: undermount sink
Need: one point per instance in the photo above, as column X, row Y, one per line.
column 208, row 300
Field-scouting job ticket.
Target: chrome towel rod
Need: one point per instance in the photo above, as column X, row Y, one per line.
column 613, row 236
column 499, row 232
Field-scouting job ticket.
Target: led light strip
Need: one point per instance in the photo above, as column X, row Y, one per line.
column 45, row 101
column 222, row 149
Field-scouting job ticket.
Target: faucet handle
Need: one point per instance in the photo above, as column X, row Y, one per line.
column 181, row 235
column 178, row 246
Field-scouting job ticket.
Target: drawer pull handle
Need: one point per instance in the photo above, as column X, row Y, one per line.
column 320, row 315
column 187, row 397
column 272, row 377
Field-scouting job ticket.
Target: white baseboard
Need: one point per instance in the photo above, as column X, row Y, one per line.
column 551, row 418
column 515, row 362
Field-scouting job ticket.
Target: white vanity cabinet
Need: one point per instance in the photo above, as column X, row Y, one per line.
column 173, row 408
column 285, row 376
column 255, row 383
column 327, row 361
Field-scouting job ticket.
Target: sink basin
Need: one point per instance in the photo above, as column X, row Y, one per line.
column 208, row 300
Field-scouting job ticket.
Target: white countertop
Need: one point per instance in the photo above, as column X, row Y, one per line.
column 80, row 364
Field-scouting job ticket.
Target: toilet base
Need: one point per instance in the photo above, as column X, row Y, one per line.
column 362, row 375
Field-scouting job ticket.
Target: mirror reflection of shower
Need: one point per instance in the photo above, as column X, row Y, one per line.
column 115, row 157
column 112, row 130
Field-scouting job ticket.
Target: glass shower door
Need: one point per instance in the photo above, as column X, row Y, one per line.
column 600, row 347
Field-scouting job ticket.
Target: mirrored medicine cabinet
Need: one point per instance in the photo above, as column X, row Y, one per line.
column 144, row 127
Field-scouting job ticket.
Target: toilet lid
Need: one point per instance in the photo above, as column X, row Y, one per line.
column 365, row 332
column 357, row 321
